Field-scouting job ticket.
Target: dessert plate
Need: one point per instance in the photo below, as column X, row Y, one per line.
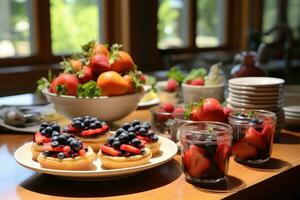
column 256, row 81
column 168, row 150
column 254, row 93
column 254, row 88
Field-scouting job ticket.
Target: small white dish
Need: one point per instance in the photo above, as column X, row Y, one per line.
column 256, row 81
column 168, row 150
column 192, row 93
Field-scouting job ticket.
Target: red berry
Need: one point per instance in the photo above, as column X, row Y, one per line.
column 81, row 152
column 198, row 81
column 130, row 149
column 168, row 107
column 254, row 138
column 66, row 148
column 172, row 85
column 109, row 150
column 242, row 149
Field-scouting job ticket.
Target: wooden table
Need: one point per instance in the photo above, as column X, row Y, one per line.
column 281, row 177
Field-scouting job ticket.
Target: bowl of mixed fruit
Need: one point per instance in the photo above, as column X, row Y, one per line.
column 95, row 82
column 253, row 132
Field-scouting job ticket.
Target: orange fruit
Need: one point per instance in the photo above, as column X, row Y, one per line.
column 112, row 83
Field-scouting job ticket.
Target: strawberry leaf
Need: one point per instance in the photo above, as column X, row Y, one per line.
column 44, row 83
column 61, row 90
column 66, row 66
column 176, row 74
column 88, row 89
column 114, row 52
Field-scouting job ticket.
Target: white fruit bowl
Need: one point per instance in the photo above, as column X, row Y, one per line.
column 193, row 93
column 105, row 108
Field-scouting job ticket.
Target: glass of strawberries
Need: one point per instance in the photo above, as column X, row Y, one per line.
column 205, row 150
column 253, row 132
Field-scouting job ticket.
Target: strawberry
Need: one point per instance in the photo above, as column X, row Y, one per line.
column 197, row 81
column 48, row 147
column 40, row 139
column 222, row 153
column 65, row 84
column 143, row 138
column 227, row 111
column 162, row 116
column 243, row 150
column 199, row 163
column 101, row 130
column 85, row 75
column 178, row 111
column 267, row 133
column 254, row 138
column 172, row 85
column 75, row 64
column 66, row 149
column 99, row 63
column 100, row 49
column 130, row 149
column 198, row 149
column 189, row 82
column 81, row 152
column 168, row 107
column 120, row 61
column 109, row 150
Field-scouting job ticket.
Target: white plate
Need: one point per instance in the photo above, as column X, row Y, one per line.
column 293, row 109
column 152, row 102
column 242, row 107
column 168, row 150
column 257, row 101
column 256, row 81
column 252, row 105
column 250, row 97
column 259, row 89
column 255, row 93
column 292, row 114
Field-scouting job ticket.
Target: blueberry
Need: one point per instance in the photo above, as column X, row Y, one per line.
column 143, row 131
column 75, row 145
column 82, row 125
column 69, row 140
column 119, row 131
column 126, row 126
column 124, row 138
column 54, row 143
column 116, row 144
column 65, row 129
column 77, row 124
column 46, row 153
column 77, row 119
column 136, row 142
column 116, row 139
column 55, row 127
column 43, row 132
column 131, row 135
column 48, row 130
column 41, row 129
column 110, row 140
column 54, row 138
column 137, row 127
column 130, row 129
column 61, row 155
column 150, row 133
column 93, row 126
column 146, row 125
column 98, row 124
column 86, row 117
column 55, row 133
column 255, row 121
column 136, row 122
column 93, row 119
column 44, row 124
column 154, row 138
column 86, row 122
column 62, row 139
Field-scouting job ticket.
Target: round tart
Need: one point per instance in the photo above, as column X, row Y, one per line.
column 90, row 130
column 67, row 153
column 43, row 136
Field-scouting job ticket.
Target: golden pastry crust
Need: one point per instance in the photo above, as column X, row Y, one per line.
column 154, row 147
column 36, row 149
column 96, row 142
column 112, row 162
column 77, row 163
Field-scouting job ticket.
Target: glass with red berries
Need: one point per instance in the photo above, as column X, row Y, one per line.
column 253, row 132
column 205, row 151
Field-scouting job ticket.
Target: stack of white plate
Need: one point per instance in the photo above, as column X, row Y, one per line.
column 264, row 93
column 292, row 114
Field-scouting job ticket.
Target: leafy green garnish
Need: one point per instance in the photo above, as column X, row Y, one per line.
column 44, row 83
column 66, row 66
column 88, row 89
column 176, row 74
column 61, row 90
column 195, row 73
column 114, row 49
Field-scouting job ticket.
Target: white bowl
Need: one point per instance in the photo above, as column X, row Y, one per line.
column 105, row 108
column 192, row 93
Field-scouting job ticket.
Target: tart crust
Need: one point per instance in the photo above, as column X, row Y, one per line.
column 112, row 162
column 36, row 149
column 154, row 147
column 77, row 163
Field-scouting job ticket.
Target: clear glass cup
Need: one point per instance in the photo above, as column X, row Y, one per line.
column 253, row 132
column 205, row 151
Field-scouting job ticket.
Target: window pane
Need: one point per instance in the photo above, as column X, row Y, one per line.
column 14, row 28
column 210, row 23
column 73, row 23
column 294, row 16
column 172, row 24
column 269, row 18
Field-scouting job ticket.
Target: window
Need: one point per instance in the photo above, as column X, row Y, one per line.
column 73, row 23
column 269, row 18
column 15, row 30
column 294, row 16
column 179, row 20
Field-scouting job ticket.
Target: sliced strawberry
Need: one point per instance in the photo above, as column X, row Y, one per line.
column 254, row 138
column 40, row 139
column 187, row 159
column 130, row 149
column 81, row 152
column 198, row 149
column 142, row 138
column 101, row 130
column 48, row 147
column 267, row 133
column 168, row 107
column 199, row 164
column 66, row 149
column 222, row 153
column 242, row 149
column 109, row 150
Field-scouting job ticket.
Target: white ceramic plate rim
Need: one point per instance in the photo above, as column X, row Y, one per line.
column 253, row 88
column 253, row 105
column 292, row 109
column 249, row 97
column 255, row 93
column 168, row 151
column 256, row 81
column 152, row 102
column 258, row 101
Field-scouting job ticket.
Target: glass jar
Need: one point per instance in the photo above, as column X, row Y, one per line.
column 205, row 151
column 253, row 132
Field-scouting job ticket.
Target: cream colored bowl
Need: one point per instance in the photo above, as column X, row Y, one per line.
column 105, row 108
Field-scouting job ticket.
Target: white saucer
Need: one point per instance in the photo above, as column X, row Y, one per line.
column 168, row 150
column 251, row 105
column 251, row 97
column 257, row 101
column 255, row 93
column 256, row 81
column 293, row 109
column 259, row 89
column 291, row 114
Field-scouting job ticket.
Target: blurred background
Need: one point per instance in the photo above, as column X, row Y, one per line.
column 35, row 35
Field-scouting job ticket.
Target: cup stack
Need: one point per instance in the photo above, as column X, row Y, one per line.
column 259, row 93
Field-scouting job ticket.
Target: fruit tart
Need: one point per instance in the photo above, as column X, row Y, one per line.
column 66, row 152
column 123, row 150
column 90, row 130
column 43, row 136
